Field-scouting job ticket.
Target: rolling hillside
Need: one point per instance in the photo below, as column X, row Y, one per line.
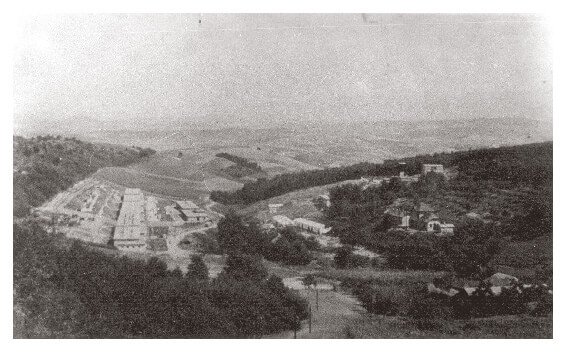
column 43, row 166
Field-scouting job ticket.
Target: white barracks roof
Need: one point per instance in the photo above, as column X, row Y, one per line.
column 127, row 233
column 309, row 223
column 283, row 220
column 194, row 214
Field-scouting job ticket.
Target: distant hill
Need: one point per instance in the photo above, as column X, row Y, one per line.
column 522, row 164
column 45, row 165
column 321, row 144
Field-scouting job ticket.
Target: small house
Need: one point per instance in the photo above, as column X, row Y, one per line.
column 447, row 228
column 273, row 208
column 428, row 168
column 325, row 199
column 194, row 216
column 186, row 205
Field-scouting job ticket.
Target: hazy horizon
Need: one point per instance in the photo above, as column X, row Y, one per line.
column 258, row 70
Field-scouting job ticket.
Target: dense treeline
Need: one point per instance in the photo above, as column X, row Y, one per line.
column 46, row 165
column 283, row 183
column 239, row 236
column 525, row 164
column 529, row 164
column 76, row 292
column 358, row 218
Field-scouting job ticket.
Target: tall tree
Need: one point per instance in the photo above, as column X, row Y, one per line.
column 197, row 268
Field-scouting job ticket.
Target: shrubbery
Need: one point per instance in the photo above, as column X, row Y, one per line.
column 236, row 235
column 77, row 292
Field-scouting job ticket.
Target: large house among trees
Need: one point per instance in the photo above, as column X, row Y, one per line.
column 427, row 168
column 403, row 214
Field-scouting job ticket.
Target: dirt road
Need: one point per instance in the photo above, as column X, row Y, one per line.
column 335, row 310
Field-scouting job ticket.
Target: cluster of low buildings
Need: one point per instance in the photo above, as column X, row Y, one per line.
column 405, row 214
column 493, row 286
column 403, row 177
column 190, row 212
column 131, row 232
column 408, row 215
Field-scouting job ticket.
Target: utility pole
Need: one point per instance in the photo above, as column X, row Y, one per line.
column 310, row 319
column 317, row 299
column 295, row 327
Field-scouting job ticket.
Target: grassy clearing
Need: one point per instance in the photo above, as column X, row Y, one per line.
column 295, row 204
column 380, row 277
column 153, row 184
column 188, row 166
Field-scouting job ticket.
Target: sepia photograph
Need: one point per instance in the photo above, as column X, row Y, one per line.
column 282, row 176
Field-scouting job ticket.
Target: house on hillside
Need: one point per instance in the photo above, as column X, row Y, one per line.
column 405, row 214
column 372, row 181
column 428, row 168
column 438, row 226
column 398, row 214
column 446, row 228
column 325, row 199
column 422, row 210
column 407, row 178
column 194, row 216
column 398, row 217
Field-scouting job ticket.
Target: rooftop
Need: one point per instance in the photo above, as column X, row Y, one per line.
column 193, row 214
column 127, row 233
column 309, row 223
column 446, row 225
column 187, row 205
column 422, row 207
column 283, row 220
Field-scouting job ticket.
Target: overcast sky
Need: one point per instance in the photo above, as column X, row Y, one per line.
column 261, row 69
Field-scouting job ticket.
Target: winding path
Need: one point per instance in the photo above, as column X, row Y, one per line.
column 336, row 310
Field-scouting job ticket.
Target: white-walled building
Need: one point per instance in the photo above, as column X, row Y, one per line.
column 283, row 221
column 427, row 168
column 194, row 216
column 130, row 232
column 325, row 198
column 311, row 226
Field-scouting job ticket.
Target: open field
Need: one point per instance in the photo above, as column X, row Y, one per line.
column 295, row 204
column 154, row 184
column 499, row 327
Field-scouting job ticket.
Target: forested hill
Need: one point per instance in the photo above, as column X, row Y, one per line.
column 529, row 164
column 66, row 290
column 45, row 165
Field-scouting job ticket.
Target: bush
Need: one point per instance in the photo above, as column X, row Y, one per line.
column 76, row 292
column 345, row 258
